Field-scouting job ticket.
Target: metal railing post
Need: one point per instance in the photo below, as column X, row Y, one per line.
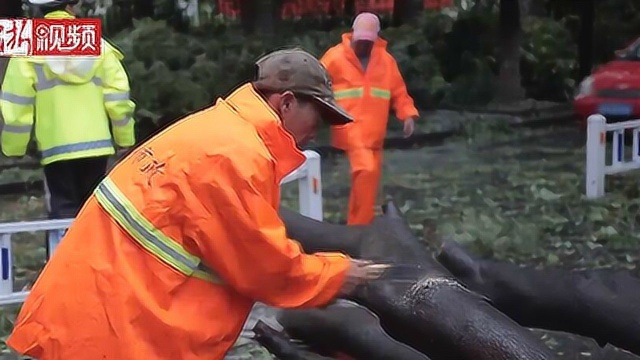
column 596, row 149
column 310, row 187
column 6, row 262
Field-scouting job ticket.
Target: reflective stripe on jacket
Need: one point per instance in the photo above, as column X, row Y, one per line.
column 129, row 279
column 75, row 103
column 367, row 94
column 147, row 236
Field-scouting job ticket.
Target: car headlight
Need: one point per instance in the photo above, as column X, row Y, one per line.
column 585, row 88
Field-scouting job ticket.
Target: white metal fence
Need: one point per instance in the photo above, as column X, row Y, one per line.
column 597, row 167
column 309, row 187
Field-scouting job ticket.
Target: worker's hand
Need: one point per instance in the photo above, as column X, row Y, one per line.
column 409, row 127
column 360, row 272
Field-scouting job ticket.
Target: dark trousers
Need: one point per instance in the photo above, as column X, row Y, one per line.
column 68, row 184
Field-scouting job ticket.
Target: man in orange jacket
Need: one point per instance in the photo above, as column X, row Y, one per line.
column 168, row 255
column 366, row 83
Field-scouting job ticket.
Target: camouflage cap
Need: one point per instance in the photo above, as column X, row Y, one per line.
column 301, row 73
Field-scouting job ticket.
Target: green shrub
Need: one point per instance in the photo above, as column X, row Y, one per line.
column 549, row 60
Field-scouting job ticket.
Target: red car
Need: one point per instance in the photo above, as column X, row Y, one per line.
column 613, row 89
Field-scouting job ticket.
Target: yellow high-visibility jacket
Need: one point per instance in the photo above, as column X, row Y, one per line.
column 78, row 105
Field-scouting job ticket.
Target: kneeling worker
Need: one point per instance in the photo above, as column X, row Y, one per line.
column 169, row 254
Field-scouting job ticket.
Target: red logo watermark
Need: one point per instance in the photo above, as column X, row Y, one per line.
column 50, row 37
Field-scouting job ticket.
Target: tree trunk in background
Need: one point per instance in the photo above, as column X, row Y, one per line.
column 350, row 9
column 247, row 17
column 268, row 16
column 509, row 82
column 532, row 8
column 10, row 8
column 406, row 11
column 585, row 42
column 142, row 9
column 260, row 16
column 125, row 14
column 525, row 8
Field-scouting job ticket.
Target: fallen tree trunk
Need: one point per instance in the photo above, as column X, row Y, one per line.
column 433, row 313
column 349, row 327
column 601, row 304
column 280, row 344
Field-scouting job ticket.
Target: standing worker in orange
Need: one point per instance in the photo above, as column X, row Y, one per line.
column 169, row 254
column 366, row 83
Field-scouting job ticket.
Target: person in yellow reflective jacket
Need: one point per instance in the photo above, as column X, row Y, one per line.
column 77, row 108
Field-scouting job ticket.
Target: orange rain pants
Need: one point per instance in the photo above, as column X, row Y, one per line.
column 366, row 170
column 368, row 96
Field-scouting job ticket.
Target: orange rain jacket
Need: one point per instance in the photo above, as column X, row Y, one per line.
column 366, row 95
column 167, row 257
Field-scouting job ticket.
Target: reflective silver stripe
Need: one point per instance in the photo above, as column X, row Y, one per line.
column 70, row 148
column 17, row 99
column 147, row 235
column 18, row 129
column 116, row 96
column 121, row 122
column 42, row 83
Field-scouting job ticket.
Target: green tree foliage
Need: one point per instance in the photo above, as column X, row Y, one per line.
column 549, row 59
column 447, row 58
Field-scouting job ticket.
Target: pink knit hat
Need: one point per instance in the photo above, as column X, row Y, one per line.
column 366, row 27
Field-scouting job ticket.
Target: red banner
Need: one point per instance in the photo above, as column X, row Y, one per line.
column 297, row 8
column 50, row 37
